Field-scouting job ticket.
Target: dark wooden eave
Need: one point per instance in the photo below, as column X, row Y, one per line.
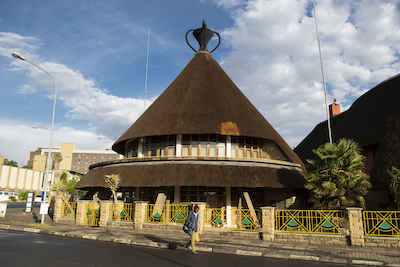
column 196, row 172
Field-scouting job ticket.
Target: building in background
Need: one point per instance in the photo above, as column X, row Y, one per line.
column 73, row 160
column 373, row 121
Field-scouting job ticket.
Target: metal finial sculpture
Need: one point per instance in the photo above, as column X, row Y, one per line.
column 203, row 36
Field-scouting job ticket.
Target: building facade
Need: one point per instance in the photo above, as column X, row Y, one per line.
column 203, row 141
column 373, row 121
column 73, row 160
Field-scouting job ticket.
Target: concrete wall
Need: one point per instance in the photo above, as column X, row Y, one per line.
column 15, row 179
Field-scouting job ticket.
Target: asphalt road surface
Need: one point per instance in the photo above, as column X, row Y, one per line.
column 26, row 249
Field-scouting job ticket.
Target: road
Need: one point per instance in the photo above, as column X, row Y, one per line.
column 26, row 249
column 20, row 205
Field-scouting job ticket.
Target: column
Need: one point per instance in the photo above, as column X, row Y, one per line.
column 137, row 193
column 228, row 145
column 268, row 223
column 178, row 145
column 177, row 194
column 202, row 216
column 228, row 200
column 105, row 209
column 80, row 212
column 140, row 148
column 57, row 209
column 140, row 214
column 356, row 226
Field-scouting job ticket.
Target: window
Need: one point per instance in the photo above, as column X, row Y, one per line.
column 214, row 196
column 203, row 145
column 245, row 147
column 159, row 146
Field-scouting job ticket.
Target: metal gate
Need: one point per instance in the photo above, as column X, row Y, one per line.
column 92, row 212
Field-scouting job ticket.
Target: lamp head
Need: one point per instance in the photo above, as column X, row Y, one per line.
column 16, row 55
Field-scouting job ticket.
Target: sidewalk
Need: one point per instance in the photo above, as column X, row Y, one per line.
column 361, row 256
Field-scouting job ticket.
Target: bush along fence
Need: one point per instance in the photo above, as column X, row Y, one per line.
column 352, row 226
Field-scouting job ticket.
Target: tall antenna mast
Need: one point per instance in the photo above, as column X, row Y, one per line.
column 147, row 68
column 323, row 77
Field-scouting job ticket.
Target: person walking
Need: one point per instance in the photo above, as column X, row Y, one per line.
column 192, row 220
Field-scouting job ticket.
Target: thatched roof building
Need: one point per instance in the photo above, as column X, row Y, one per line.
column 201, row 132
column 373, row 121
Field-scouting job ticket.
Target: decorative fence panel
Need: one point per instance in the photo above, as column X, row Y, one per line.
column 172, row 213
column 381, row 223
column 240, row 219
column 92, row 211
column 68, row 210
column 121, row 212
column 311, row 221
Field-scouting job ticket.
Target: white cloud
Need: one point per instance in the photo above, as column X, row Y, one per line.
column 84, row 99
column 275, row 60
column 107, row 115
column 17, row 138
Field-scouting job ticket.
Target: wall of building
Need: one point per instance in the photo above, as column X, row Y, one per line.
column 15, row 179
column 67, row 150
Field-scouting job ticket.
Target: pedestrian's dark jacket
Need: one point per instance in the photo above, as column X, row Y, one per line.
column 191, row 218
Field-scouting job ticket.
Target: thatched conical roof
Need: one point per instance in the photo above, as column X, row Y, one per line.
column 203, row 100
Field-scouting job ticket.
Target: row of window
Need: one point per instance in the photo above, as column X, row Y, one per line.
column 96, row 155
column 206, row 145
column 94, row 161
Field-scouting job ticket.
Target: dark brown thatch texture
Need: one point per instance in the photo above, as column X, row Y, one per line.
column 203, row 100
column 194, row 175
column 373, row 119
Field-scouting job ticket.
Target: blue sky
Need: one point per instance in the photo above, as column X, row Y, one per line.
column 96, row 51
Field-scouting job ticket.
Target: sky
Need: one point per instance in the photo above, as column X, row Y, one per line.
column 96, row 51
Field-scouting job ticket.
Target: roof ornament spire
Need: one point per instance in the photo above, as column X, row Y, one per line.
column 203, row 36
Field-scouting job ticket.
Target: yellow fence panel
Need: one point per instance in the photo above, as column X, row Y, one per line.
column 92, row 211
column 240, row 219
column 167, row 213
column 311, row 221
column 381, row 223
column 121, row 212
column 68, row 210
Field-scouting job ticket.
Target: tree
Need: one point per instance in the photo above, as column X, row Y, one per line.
column 112, row 182
column 60, row 188
column 336, row 178
column 70, row 184
column 394, row 186
column 22, row 195
column 56, row 160
column 28, row 166
column 10, row 163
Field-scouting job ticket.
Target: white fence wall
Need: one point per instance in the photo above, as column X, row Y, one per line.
column 15, row 179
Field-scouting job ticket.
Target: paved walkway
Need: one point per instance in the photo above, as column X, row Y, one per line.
column 361, row 256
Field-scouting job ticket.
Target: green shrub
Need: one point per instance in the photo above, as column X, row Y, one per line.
column 22, row 195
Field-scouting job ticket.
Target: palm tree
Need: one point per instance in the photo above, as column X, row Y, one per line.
column 61, row 189
column 336, row 178
column 395, row 185
column 112, row 182
column 56, row 160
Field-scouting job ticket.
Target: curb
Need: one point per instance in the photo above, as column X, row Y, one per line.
column 175, row 246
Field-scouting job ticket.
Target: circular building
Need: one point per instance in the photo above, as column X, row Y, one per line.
column 202, row 141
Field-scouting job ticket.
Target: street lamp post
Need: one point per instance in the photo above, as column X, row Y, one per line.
column 16, row 55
